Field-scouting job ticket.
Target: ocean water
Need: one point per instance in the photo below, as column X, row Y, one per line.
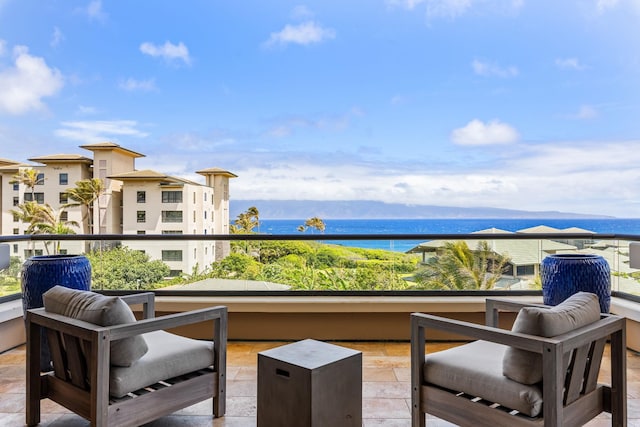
column 439, row 226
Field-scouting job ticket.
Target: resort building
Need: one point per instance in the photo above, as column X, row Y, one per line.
column 134, row 202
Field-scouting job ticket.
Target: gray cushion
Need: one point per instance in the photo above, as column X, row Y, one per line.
column 100, row 310
column 169, row 355
column 577, row 311
column 476, row 369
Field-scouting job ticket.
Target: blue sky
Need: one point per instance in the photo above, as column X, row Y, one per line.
column 523, row 104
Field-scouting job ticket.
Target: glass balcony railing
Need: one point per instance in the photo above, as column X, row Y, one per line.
column 262, row 264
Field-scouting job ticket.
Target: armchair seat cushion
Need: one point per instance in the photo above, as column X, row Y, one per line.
column 169, row 355
column 476, row 369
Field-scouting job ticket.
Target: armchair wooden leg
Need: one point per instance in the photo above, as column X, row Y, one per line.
column 33, row 375
column 417, row 366
column 618, row 379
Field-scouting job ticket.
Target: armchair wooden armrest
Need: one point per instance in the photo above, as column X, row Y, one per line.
column 147, row 299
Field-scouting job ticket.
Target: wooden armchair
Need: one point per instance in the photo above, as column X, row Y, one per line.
column 85, row 379
column 472, row 385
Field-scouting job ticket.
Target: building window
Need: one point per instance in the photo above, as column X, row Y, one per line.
column 15, row 248
column 64, row 198
column 205, row 197
column 40, row 179
column 172, row 255
column 172, row 197
column 171, row 216
column 141, row 232
column 141, row 196
column 38, row 197
column 171, row 231
column 205, row 214
column 64, row 216
column 63, row 178
column 16, row 186
column 16, row 201
column 16, row 231
column 102, row 163
column 16, row 217
column 175, row 273
column 142, row 216
column 62, row 251
column 525, row 270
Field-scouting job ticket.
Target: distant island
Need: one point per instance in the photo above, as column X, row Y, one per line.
column 357, row 209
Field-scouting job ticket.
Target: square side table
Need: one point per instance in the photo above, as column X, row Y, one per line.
column 310, row 383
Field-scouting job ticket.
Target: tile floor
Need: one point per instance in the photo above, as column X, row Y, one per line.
column 386, row 390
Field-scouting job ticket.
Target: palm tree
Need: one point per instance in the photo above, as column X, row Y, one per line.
column 458, row 267
column 43, row 219
column 314, row 222
column 86, row 192
column 28, row 212
column 246, row 221
column 29, row 177
column 50, row 222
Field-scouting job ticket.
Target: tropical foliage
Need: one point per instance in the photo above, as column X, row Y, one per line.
column 124, row 268
column 457, row 267
column 246, row 221
column 43, row 219
column 316, row 266
column 10, row 277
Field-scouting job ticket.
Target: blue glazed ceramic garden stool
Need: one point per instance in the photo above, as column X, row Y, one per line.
column 41, row 273
column 566, row 274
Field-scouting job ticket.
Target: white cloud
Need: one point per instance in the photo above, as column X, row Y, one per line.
column 301, row 12
column 586, row 112
column 84, row 110
column 57, row 37
column 168, row 51
column 99, row 130
column 407, row 4
column 23, row 86
column 604, row 5
column 478, row 133
column 287, row 126
column 567, row 176
column 569, row 64
column 399, row 100
column 132, row 85
column 94, row 11
column 488, row 69
column 304, row 34
column 447, row 8
column 3, row 47
column 452, row 9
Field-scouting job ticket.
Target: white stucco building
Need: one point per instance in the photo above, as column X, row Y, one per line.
column 134, row 202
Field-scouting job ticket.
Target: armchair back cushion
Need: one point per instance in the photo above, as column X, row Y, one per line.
column 580, row 309
column 100, row 310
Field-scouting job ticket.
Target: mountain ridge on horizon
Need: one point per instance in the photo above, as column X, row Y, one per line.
column 359, row 209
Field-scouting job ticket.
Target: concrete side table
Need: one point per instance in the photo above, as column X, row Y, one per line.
column 310, row 383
